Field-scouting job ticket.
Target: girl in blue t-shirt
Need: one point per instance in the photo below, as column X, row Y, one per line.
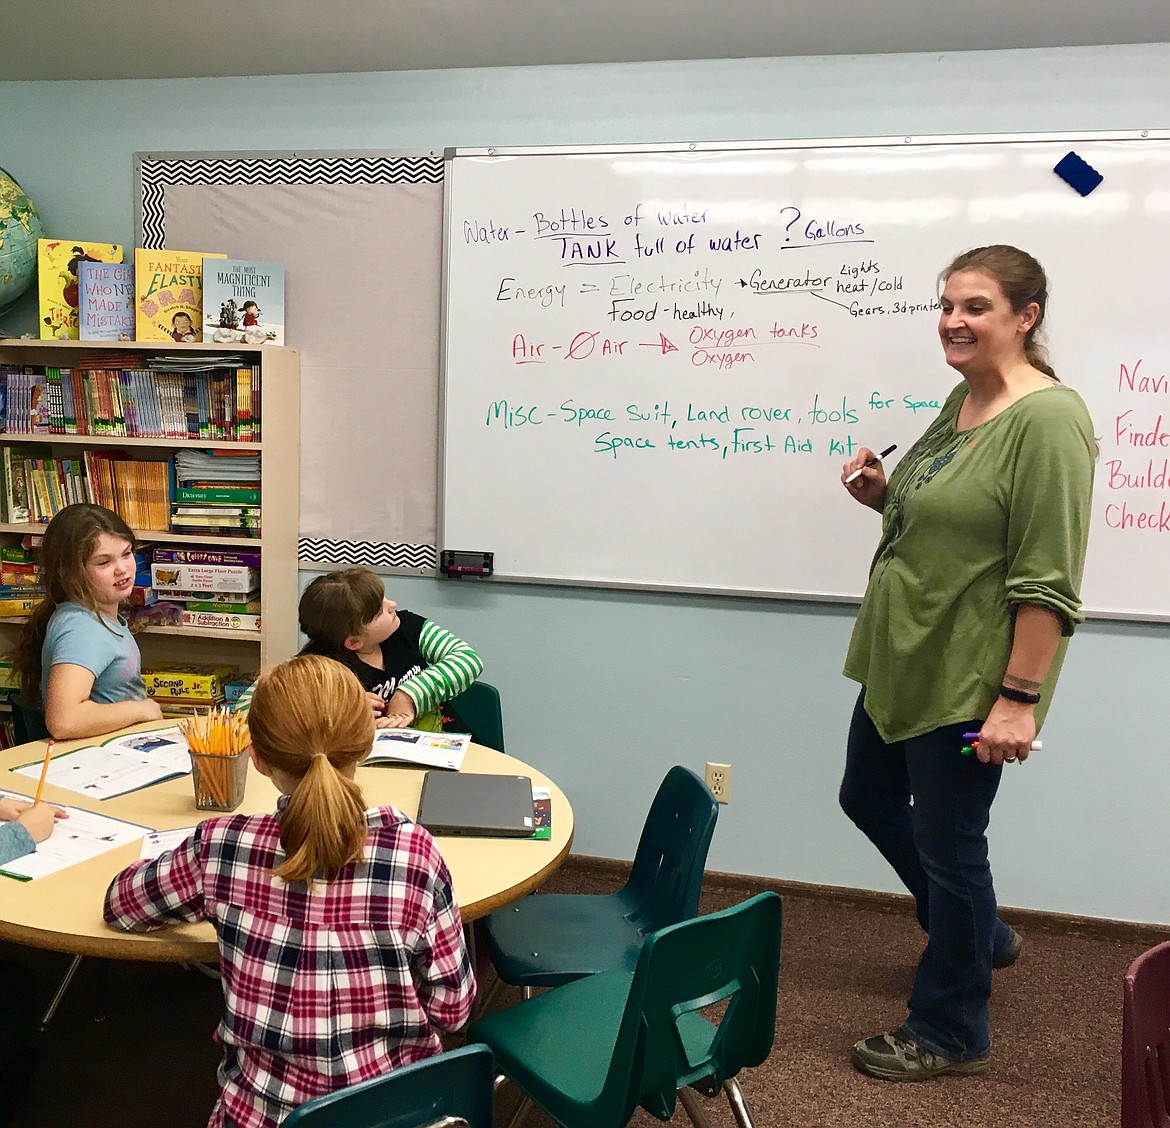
column 76, row 657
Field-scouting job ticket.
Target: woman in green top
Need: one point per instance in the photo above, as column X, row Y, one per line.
column 972, row 595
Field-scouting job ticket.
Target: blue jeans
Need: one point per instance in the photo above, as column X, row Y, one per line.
column 937, row 845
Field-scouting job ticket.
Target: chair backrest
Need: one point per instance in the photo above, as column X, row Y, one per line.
column 451, row 1088
column 1145, row 1041
column 727, row 962
column 667, row 874
column 478, row 707
column 28, row 722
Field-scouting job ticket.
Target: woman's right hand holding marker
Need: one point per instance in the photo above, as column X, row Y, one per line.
column 864, row 477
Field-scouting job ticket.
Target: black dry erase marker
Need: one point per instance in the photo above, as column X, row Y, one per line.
column 872, row 461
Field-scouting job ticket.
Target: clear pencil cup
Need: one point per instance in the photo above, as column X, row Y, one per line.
column 219, row 780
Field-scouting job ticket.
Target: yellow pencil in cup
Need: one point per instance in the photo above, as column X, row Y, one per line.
column 217, row 741
column 44, row 771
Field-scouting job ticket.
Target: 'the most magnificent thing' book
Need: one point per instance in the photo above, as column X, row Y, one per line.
column 168, row 294
column 243, row 300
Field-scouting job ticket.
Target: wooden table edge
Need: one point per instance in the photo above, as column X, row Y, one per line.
column 485, row 906
column 162, row 946
column 157, row 947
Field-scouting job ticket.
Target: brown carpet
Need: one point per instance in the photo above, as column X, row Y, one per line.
column 845, row 972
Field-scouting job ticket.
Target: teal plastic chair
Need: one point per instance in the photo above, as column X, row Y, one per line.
column 553, row 938
column 591, row 1052
column 455, row 1088
column 478, row 707
column 28, row 722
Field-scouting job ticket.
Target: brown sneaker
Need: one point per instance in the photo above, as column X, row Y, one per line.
column 897, row 1057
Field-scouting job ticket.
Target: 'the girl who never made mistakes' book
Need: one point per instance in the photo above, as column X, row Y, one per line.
column 105, row 304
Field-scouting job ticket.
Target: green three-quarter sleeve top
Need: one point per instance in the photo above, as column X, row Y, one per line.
column 975, row 522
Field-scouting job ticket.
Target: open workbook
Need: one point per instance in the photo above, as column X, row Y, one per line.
column 117, row 766
column 419, row 749
column 83, row 835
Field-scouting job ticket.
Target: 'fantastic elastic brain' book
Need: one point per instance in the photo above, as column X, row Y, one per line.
column 168, row 294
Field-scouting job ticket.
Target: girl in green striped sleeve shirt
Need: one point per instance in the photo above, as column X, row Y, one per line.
column 407, row 665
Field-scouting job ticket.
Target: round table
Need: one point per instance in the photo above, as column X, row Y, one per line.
column 63, row 911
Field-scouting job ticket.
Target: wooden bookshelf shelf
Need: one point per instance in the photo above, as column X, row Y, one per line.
column 149, row 536
column 20, row 438
column 279, row 450
column 204, row 632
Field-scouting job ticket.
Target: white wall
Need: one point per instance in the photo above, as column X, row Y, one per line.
column 605, row 689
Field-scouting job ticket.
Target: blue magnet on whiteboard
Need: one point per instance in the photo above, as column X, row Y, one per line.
column 1078, row 173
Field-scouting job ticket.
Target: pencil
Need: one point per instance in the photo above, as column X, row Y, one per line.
column 44, row 771
column 215, row 738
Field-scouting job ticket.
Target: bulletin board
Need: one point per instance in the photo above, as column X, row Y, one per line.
column 360, row 236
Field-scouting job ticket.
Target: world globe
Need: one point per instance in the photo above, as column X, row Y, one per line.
column 20, row 228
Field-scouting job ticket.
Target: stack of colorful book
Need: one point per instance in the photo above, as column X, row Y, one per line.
column 113, row 394
column 37, row 487
column 21, row 587
column 220, row 394
column 217, row 492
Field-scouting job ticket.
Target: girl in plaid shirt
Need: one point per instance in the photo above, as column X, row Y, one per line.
column 341, row 946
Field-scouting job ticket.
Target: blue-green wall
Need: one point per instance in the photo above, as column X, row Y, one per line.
column 603, row 690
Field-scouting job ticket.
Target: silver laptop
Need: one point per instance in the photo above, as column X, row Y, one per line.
column 489, row 806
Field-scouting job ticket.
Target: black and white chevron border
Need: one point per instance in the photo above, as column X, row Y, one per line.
column 155, row 175
column 372, row 554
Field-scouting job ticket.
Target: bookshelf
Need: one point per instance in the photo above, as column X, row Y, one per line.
column 279, row 450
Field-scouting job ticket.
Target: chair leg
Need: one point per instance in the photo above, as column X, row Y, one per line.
column 522, row 1109
column 739, row 1107
column 55, row 1002
column 521, row 1113
column 693, row 1107
column 101, row 989
column 738, row 1102
column 483, row 1003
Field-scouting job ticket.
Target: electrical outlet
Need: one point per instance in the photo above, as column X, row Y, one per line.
column 718, row 778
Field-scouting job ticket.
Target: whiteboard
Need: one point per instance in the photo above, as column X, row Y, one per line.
column 657, row 359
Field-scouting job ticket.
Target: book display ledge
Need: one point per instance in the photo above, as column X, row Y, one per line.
column 277, row 411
